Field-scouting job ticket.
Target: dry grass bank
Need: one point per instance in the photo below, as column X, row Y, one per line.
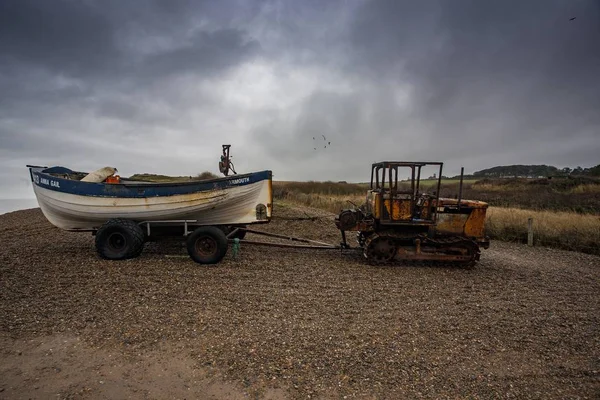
column 564, row 230
column 332, row 203
column 157, row 178
column 585, row 188
column 329, row 188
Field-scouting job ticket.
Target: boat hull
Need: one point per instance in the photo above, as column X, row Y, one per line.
column 238, row 200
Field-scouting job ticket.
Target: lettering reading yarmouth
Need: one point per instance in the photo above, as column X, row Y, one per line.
column 239, row 181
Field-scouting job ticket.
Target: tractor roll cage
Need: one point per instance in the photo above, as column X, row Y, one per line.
column 390, row 184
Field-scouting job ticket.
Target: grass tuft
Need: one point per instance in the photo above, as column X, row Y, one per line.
column 206, row 175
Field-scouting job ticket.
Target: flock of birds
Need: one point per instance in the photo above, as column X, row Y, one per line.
column 327, row 143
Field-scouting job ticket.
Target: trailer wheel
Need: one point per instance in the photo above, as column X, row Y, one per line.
column 119, row 239
column 207, row 245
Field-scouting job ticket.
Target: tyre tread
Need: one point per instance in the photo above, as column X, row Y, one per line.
column 217, row 234
column 133, row 229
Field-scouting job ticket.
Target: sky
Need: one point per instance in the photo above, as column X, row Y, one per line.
column 158, row 86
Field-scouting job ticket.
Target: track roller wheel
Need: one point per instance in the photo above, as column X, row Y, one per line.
column 468, row 248
column 380, row 249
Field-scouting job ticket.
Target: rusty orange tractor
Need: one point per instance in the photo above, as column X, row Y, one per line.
column 410, row 221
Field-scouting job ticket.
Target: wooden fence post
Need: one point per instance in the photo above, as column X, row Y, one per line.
column 530, row 232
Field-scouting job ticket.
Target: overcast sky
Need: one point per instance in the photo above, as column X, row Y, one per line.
column 158, row 86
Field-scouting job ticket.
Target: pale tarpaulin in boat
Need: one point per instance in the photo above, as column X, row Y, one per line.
column 99, row 175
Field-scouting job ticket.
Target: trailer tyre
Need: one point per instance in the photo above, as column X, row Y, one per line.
column 207, row 245
column 119, row 239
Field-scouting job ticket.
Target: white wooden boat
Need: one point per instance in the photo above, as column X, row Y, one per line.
column 75, row 205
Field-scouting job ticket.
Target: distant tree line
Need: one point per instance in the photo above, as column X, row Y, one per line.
column 534, row 171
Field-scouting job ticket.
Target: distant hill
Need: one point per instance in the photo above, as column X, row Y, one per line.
column 534, row 171
column 521, row 171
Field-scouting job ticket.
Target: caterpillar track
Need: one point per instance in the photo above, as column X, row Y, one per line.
column 384, row 247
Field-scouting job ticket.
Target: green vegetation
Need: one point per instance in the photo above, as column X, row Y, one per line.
column 431, row 183
column 206, row 175
column 524, row 171
column 534, row 171
column 157, row 178
column 577, row 194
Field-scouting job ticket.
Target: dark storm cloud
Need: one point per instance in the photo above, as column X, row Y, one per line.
column 488, row 82
column 92, row 54
column 206, row 52
column 69, row 36
column 107, row 38
column 474, row 83
column 521, row 63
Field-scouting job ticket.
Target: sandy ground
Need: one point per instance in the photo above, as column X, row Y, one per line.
column 281, row 324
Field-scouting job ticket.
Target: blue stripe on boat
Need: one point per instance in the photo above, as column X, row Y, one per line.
column 42, row 179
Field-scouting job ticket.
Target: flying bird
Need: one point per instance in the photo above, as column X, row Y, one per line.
column 571, row 19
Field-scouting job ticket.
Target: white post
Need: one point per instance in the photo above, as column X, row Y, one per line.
column 530, row 232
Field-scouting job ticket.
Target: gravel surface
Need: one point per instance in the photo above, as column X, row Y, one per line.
column 523, row 324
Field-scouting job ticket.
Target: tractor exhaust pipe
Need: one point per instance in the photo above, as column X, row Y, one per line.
column 462, row 173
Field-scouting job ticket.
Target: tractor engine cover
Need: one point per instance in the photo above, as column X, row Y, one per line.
column 348, row 219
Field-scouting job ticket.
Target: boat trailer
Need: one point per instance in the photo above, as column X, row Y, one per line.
column 209, row 244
